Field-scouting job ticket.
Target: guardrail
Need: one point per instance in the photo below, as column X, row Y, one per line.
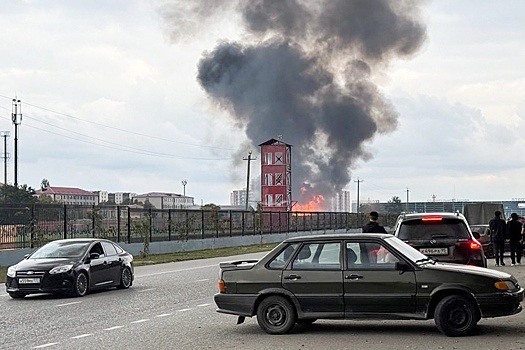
column 33, row 225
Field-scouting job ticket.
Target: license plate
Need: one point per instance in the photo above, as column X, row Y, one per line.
column 434, row 251
column 28, row 280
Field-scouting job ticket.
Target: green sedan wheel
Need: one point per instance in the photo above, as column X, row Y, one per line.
column 276, row 315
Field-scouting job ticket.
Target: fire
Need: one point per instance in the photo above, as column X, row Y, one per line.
column 315, row 204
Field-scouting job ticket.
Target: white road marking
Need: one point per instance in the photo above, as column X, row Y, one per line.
column 3, row 295
column 140, row 321
column 145, row 290
column 172, row 271
column 113, row 328
column 203, row 305
column 82, row 336
column 72, row 303
column 45, row 345
column 164, row 315
column 182, row 310
column 203, row 280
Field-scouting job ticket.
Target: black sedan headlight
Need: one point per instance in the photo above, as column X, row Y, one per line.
column 60, row 269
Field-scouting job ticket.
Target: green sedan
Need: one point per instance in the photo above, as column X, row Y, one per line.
column 357, row 276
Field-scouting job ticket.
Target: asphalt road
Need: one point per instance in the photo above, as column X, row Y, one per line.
column 170, row 306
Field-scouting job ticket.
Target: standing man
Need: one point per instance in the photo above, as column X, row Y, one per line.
column 514, row 232
column 498, row 233
column 373, row 226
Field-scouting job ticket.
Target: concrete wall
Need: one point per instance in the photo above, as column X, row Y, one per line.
column 11, row 257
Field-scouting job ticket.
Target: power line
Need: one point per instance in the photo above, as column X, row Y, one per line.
column 122, row 130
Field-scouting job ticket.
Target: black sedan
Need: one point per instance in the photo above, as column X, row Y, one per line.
column 71, row 266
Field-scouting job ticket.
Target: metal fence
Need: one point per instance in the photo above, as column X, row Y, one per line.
column 35, row 224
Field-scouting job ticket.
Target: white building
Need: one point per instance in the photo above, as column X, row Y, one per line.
column 69, row 195
column 238, row 198
column 342, row 202
column 161, row 200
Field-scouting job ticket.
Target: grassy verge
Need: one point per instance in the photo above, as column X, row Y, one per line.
column 182, row 256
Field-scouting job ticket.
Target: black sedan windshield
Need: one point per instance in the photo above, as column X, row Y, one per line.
column 61, row 250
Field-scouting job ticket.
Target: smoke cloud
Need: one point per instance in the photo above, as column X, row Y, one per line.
column 304, row 70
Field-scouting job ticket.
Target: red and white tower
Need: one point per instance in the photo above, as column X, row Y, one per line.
column 276, row 175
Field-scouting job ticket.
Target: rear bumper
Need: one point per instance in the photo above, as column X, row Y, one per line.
column 501, row 304
column 235, row 304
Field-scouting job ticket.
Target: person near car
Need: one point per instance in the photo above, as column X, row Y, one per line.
column 373, row 226
column 498, row 234
column 514, row 234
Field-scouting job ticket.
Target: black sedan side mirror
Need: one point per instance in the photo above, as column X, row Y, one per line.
column 476, row 235
column 93, row 256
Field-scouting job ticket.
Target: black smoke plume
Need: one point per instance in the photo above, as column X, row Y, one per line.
column 304, row 70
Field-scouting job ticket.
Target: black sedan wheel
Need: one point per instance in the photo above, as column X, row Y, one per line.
column 456, row 316
column 125, row 278
column 80, row 288
column 17, row 295
column 276, row 315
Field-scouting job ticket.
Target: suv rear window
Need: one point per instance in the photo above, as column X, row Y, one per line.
column 426, row 230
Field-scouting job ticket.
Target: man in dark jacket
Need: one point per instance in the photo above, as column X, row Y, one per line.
column 373, row 226
column 498, row 234
column 514, row 234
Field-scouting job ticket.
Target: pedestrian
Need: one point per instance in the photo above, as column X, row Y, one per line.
column 514, row 234
column 498, row 233
column 373, row 226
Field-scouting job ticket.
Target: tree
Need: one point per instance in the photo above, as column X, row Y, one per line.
column 44, row 185
column 17, row 195
column 394, row 205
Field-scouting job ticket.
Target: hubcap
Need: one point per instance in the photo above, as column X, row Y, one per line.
column 459, row 317
column 126, row 277
column 276, row 315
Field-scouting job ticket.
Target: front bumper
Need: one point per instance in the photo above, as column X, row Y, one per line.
column 501, row 304
column 235, row 304
column 59, row 283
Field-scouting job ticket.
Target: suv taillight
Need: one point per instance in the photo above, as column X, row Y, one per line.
column 471, row 244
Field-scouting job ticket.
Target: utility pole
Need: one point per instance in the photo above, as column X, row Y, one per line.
column 249, row 159
column 5, row 135
column 358, row 182
column 16, row 117
column 184, row 183
column 407, row 199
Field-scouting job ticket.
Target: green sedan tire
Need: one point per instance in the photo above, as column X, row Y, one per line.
column 276, row 315
column 456, row 316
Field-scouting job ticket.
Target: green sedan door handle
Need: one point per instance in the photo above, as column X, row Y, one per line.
column 353, row 277
column 292, row 277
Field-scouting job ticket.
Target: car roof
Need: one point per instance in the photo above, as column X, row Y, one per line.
column 81, row 240
column 445, row 215
column 336, row 236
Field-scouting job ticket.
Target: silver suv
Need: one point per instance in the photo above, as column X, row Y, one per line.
column 445, row 237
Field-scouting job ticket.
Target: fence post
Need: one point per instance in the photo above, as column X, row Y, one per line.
column 93, row 220
column 169, row 224
column 150, row 225
column 129, row 225
column 65, row 221
column 32, row 229
column 242, row 223
column 118, row 223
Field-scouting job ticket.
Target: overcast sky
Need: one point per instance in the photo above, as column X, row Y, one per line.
column 111, row 101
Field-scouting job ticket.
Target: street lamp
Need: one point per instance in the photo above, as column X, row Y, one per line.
column 184, row 183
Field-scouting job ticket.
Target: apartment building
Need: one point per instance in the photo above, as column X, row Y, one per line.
column 161, row 200
column 69, row 195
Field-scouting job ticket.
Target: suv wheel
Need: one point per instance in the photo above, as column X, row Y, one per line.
column 456, row 316
column 276, row 315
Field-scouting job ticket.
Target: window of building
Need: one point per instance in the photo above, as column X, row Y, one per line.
column 268, row 179
column 269, row 200
column 279, row 158
column 278, row 200
column 268, row 158
column 278, row 179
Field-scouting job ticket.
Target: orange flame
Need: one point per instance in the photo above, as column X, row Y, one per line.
column 315, row 204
